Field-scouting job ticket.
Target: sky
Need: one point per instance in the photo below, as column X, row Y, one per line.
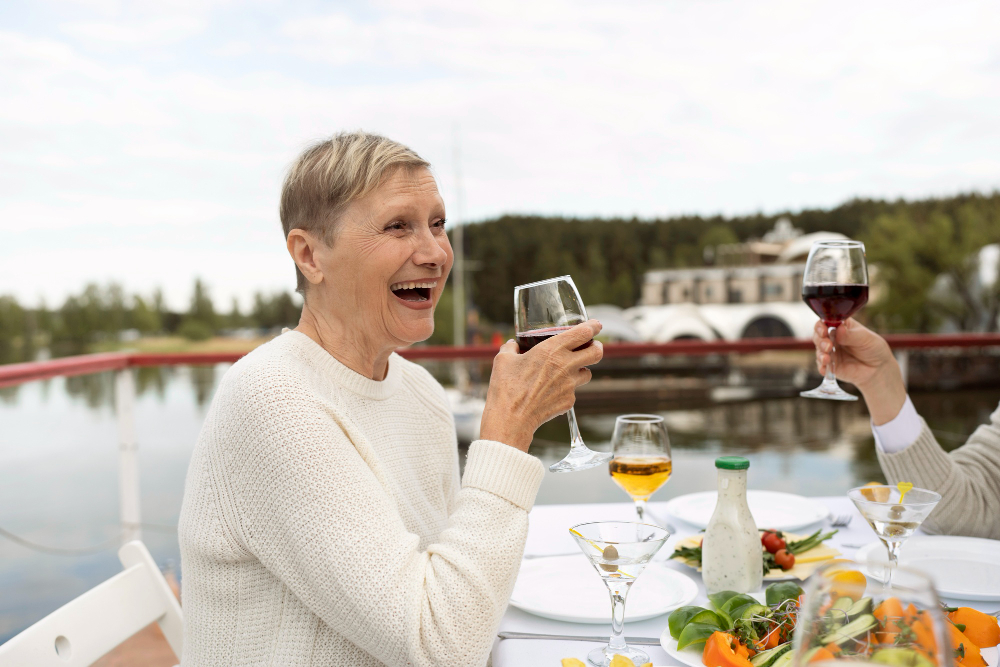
column 145, row 142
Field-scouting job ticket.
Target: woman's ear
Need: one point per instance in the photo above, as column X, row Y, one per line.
column 302, row 247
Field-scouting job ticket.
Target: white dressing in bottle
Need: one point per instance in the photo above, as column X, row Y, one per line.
column 731, row 555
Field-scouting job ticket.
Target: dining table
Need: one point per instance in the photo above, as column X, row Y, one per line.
column 548, row 535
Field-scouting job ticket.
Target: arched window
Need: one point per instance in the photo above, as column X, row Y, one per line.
column 767, row 327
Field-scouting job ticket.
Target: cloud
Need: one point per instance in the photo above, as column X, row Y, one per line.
column 157, row 32
column 188, row 114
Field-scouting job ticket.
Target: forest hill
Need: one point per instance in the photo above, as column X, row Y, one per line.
column 913, row 243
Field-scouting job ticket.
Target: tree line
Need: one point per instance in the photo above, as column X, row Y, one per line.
column 926, row 251
column 106, row 314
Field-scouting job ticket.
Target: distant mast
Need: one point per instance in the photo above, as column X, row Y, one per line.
column 458, row 270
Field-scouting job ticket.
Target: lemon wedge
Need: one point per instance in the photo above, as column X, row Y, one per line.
column 845, row 579
column 903, row 488
column 572, row 662
column 621, row 661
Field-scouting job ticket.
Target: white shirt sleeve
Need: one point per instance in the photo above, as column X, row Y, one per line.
column 900, row 432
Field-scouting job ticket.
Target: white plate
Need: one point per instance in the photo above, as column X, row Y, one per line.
column 967, row 568
column 770, row 509
column 566, row 588
column 689, row 656
column 692, row 657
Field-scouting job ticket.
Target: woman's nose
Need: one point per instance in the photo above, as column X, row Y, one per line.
column 430, row 252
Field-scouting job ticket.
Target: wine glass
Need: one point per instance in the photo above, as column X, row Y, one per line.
column 835, row 286
column 845, row 621
column 542, row 310
column 641, row 463
column 619, row 552
column 893, row 515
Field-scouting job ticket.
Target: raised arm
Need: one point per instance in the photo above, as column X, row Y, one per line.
column 968, row 478
column 311, row 501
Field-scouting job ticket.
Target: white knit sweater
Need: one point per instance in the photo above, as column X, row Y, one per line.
column 323, row 522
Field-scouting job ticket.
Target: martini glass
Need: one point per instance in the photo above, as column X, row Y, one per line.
column 619, row 552
column 893, row 521
column 901, row 626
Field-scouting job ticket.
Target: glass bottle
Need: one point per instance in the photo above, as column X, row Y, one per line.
column 731, row 555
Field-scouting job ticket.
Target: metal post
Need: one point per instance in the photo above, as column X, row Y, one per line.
column 128, row 462
column 458, row 272
column 903, row 359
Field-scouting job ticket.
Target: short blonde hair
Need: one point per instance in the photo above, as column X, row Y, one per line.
column 328, row 176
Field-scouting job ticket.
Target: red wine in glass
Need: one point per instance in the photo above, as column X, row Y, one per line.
column 544, row 309
column 529, row 339
column 835, row 303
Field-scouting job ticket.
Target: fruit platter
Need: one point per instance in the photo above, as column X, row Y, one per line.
column 739, row 630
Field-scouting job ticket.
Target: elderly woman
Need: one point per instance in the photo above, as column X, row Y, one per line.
column 967, row 478
column 324, row 520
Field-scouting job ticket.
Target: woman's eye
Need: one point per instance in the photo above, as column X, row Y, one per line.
column 440, row 224
column 397, row 226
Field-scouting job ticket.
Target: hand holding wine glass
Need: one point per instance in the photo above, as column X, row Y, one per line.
column 547, row 309
column 835, row 286
column 864, row 359
column 527, row 390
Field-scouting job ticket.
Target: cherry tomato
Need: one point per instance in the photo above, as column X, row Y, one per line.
column 773, row 543
column 785, row 560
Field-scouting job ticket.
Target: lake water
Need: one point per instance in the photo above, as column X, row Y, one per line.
column 59, row 465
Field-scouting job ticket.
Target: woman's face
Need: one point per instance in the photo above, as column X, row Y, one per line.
column 385, row 270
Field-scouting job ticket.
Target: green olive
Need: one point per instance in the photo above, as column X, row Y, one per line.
column 610, row 553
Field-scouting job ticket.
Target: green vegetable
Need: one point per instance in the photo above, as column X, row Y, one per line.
column 681, row 617
column 690, row 554
column 694, row 634
column 751, row 610
column 736, row 605
column 810, row 542
column 767, row 658
column 862, row 606
column 855, row 628
column 778, row 593
column 721, row 598
column 783, row 660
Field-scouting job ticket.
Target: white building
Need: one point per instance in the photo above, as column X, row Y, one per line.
column 753, row 291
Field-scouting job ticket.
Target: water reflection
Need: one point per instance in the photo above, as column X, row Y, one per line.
column 59, row 443
column 203, row 382
column 152, row 379
column 96, row 389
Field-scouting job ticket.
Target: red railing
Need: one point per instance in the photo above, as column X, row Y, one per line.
column 13, row 374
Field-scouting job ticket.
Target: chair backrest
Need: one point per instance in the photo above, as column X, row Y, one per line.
column 81, row 631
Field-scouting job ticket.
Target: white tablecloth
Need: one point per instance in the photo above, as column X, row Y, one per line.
column 548, row 534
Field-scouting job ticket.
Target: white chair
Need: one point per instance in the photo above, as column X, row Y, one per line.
column 81, row 631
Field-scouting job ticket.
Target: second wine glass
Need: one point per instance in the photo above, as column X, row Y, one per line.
column 835, row 286
column 641, row 461
column 542, row 310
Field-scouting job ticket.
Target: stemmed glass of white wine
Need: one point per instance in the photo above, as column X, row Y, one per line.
column 641, row 461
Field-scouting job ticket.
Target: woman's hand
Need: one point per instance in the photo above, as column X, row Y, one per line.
column 864, row 359
column 527, row 390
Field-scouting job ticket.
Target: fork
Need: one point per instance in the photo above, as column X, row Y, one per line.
column 841, row 520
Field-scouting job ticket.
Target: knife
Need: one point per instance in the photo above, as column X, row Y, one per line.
column 643, row 641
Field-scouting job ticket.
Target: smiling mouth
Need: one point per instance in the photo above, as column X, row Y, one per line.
column 414, row 290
